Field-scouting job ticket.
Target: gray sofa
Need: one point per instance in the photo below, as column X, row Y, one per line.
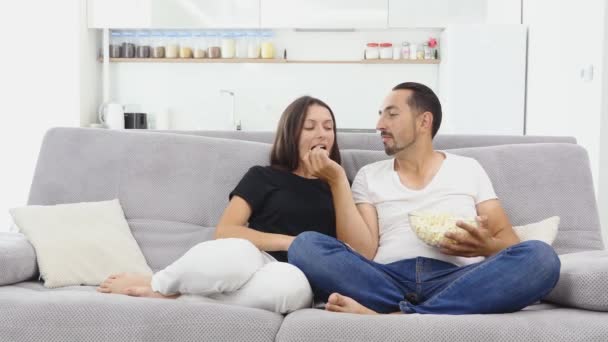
column 173, row 187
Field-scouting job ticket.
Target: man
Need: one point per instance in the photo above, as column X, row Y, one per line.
column 377, row 265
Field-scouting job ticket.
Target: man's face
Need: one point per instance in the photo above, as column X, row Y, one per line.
column 398, row 124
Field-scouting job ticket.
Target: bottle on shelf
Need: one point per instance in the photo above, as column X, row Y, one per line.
column 372, row 51
column 172, row 45
column 267, row 46
column 228, row 45
column 199, row 44
column 386, row 51
column 115, row 44
column 253, row 45
column 143, row 44
column 185, row 44
column 405, row 50
column 213, row 45
column 157, row 44
column 128, row 44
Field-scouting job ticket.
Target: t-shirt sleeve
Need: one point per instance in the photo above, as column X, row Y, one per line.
column 253, row 188
column 359, row 188
column 485, row 190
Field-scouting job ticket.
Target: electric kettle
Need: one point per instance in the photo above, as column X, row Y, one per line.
column 112, row 115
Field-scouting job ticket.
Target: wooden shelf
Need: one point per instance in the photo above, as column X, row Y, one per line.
column 251, row 60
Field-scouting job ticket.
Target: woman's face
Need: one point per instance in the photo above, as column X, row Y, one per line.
column 318, row 130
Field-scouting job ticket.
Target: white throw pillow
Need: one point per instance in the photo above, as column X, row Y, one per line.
column 80, row 243
column 545, row 230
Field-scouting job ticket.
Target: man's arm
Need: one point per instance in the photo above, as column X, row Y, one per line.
column 494, row 233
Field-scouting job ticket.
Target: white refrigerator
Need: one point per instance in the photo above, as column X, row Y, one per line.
column 482, row 79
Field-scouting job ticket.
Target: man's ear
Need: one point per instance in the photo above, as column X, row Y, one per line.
column 427, row 120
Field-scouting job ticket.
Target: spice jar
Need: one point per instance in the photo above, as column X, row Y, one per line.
column 115, row 44
column 420, row 52
column 172, row 46
column 213, row 48
column 386, row 51
column 405, row 50
column 267, row 47
column 228, row 45
column 199, row 45
column 158, row 45
column 372, row 51
column 185, row 44
column 128, row 45
column 253, row 45
column 143, row 44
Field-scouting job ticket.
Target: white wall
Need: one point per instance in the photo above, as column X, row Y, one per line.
column 40, row 83
column 191, row 91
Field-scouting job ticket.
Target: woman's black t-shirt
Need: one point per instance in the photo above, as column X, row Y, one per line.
column 284, row 203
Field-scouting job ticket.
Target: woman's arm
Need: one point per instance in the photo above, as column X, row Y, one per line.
column 232, row 225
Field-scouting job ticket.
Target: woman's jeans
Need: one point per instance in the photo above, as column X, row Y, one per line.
column 506, row 282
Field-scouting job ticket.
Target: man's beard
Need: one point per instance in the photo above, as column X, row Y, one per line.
column 392, row 150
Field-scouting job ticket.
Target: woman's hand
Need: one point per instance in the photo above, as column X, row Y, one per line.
column 318, row 163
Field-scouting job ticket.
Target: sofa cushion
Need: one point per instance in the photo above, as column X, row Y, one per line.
column 17, row 259
column 539, row 323
column 80, row 243
column 532, row 182
column 583, row 281
column 175, row 182
column 31, row 312
column 545, row 230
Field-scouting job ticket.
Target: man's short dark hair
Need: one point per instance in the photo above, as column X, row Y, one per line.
column 423, row 99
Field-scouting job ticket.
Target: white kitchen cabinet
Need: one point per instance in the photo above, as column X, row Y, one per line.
column 174, row 14
column 118, row 13
column 206, row 14
column 324, row 14
column 435, row 13
column 482, row 79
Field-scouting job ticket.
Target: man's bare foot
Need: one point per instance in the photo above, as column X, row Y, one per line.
column 339, row 303
column 146, row 291
column 118, row 283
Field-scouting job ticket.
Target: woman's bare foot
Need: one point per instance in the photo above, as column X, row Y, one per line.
column 339, row 303
column 146, row 291
column 118, row 283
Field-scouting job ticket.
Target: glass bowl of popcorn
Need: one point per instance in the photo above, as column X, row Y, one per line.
column 431, row 227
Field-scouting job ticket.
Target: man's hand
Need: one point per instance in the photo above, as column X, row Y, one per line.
column 318, row 163
column 479, row 241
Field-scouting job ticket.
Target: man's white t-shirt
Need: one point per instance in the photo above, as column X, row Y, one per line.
column 459, row 184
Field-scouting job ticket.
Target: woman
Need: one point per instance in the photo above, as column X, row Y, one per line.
column 246, row 264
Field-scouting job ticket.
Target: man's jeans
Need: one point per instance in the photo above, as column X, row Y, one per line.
column 506, row 282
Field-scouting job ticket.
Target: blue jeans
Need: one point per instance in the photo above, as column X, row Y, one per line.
column 506, row 282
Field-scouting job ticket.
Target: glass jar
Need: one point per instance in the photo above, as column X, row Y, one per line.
column 128, row 44
column 143, row 44
column 396, row 52
column 213, row 45
column 372, row 51
column 171, row 45
column 157, row 45
column 428, row 51
column 253, row 45
column 115, row 44
column 405, row 50
column 240, row 39
column 267, row 46
column 185, row 44
column 386, row 51
column 420, row 52
column 199, row 45
column 228, row 45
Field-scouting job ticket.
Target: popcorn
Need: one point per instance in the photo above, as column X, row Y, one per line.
column 431, row 228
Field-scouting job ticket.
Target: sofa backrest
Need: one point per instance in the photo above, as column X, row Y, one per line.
column 173, row 188
column 372, row 141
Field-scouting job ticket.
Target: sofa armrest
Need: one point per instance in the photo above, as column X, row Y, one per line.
column 17, row 259
column 583, row 281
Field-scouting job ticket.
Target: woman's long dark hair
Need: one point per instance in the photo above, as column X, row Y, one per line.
column 285, row 152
